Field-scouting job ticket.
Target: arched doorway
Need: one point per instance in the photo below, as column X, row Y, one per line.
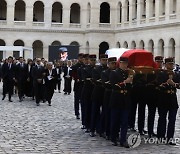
column 16, row 54
column 161, row 47
column 37, row 49
column 125, row 45
column 133, row 45
column 20, row 9
column 87, row 47
column 57, row 12
column 141, row 44
column 2, row 43
column 3, row 10
column 118, row 45
column 105, row 13
column 56, row 43
column 151, row 46
column 172, row 47
column 103, row 47
column 38, row 12
column 75, row 13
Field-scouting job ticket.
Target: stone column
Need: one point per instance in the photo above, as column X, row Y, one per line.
column 29, row 16
column 66, row 17
column 45, row 52
column 157, row 5
column 147, row 11
column 95, row 15
column 167, row 9
column 83, row 19
column 47, row 16
column 139, row 11
column 10, row 15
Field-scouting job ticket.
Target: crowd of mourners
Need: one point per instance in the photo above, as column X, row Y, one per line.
column 107, row 94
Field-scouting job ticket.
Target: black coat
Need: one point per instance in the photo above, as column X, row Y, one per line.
column 65, row 70
column 118, row 99
column 37, row 73
column 8, row 74
column 167, row 93
column 21, row 72
column 98, row 91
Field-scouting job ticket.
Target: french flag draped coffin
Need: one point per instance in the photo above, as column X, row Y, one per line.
column 139, row 58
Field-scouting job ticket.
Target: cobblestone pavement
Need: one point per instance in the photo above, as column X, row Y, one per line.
column 26, row 128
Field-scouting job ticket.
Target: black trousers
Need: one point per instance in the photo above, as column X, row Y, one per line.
column 21, row 88
column 38, row 91
column 49, row 92
column 67, row 85
column 58, row 84
column 8, row 87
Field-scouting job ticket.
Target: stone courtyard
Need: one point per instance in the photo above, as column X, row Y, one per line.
column 26, row 128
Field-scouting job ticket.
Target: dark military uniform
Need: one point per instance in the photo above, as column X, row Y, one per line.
column 76, row 74
column 167, row 103
column 86, row 93
column 138, row 98
column 120, row 103
column 105, row 119
column 97, row 98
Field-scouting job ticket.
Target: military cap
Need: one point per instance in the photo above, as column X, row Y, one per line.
column 159, row 58
column 103, row 56
column 112, row 59
column 92, row 56
column 85, row 55
column 123, row 59
column 80, row 55
column 169, row 60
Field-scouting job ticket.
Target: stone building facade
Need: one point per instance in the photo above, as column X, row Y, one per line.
column 94, row 25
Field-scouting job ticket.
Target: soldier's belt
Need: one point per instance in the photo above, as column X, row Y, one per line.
column 170, row 91
column 121, row 91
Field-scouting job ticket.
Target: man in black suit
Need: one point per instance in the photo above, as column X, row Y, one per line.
column 8, row 76
column 58, row 69
column 38, row 79
column 67, row 78
column 29, row 84
column 50, row 79
column 21, row 78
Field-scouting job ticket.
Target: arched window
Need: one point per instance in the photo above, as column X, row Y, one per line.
column 173, row 5
column 134, row 5
column 162, row 7
column 87, row 47
column 38, row 49
column 141, row 44
column 103, row 47
column 105, row 13
column 74, row 43
column 152, row 6
column 133, row 45
column 89, row 13
column 126, row 10
column 161, row 47
column 119, row 12
column 172, row 47
column 57, row 12
column 151, row 46
column 75, row 13
column 56, row 43
column 20, row 9
column 118, row 45
column 3, row 10
column 38, row 12
column 16, row 54
column 125, row 45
